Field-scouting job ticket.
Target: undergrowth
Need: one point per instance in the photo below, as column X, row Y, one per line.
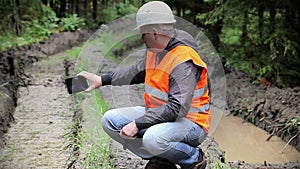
column 87, row 140
column 95, row 141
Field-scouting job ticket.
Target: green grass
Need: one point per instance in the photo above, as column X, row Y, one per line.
column 86, row 137
column 115, row 41
column 82, row 63
column 90, row 140
column 108, row 43
column 95, row 142
column 10, row 40
column 222, row 166
column 74, row 52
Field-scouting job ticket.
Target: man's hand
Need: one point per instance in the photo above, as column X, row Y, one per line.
column 94, row 80
column 129, row 131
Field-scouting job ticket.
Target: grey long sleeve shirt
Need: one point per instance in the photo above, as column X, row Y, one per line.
column 183, row 80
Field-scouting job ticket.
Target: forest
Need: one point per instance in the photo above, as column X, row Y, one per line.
column 260, row 38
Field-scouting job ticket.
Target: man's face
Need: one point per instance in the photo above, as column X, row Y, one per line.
column 148, row 36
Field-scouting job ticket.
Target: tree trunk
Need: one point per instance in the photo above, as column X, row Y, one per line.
column 178, row 11
column 218, row 32
column 94, row 10
column 244, row 29
column 86, row 8
column 73, row 6
column 77, row 10
column 62, row 10
column 86, row 5
column 272, row 20
column 16, row 18
column 103, row 3
column 52, row 5
column 261, row 20
column 45, row 2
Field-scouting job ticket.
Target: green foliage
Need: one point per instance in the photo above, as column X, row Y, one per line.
column 95, row 142
column 40, row 29
column 213, row 16
column 7, row 41
column 293, row 124
column 107, row 41
column 125, row 9
column 74, row 52
column 33, row 30
column 91, row 141
column 24, row 22
column 107, row 15
column 110, row 43
column 49, row 19
column 255, row 38
column 222, row 166
column 72, row 22
column 96, row 156
column 37, row 25
column 37, row 30
column 110, row 13
column 82, row 65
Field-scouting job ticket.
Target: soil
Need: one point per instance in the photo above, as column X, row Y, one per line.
column 13, row 62
column 35, row 109
column 42, row 118
column 240, row 85
column 268, row 107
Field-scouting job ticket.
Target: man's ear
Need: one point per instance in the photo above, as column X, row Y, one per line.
column 155, row 32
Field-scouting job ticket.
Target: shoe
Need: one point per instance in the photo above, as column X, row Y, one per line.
column 160, row 163
column 201, row 164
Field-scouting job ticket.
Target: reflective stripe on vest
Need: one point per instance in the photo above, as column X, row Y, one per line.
column 157, row 83
column 202, row 109
column 164, row 97
column 200, row 92
column 156, row 93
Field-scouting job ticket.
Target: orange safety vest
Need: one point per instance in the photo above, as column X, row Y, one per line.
column 157, row 83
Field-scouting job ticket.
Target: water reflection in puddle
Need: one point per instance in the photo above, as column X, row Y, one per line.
column 246, row 142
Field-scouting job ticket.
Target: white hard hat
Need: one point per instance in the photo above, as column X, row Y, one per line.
column 154, row 12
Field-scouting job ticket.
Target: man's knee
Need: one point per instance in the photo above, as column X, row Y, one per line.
column 113, row 120
column 106, row 119
column 156, row 143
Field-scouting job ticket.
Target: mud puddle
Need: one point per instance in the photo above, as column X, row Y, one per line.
column 246, row 142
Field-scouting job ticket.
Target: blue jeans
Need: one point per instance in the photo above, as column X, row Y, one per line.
column 175, row 141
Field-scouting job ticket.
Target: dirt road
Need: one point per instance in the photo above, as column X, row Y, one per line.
column 42, row 118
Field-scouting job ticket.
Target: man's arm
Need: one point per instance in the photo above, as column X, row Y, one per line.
column 134, row 74
column 130, row 75
column 182, row 84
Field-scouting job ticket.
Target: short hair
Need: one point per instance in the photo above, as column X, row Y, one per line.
column 164, row 29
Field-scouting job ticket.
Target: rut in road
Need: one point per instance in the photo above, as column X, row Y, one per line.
column 42, row 118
